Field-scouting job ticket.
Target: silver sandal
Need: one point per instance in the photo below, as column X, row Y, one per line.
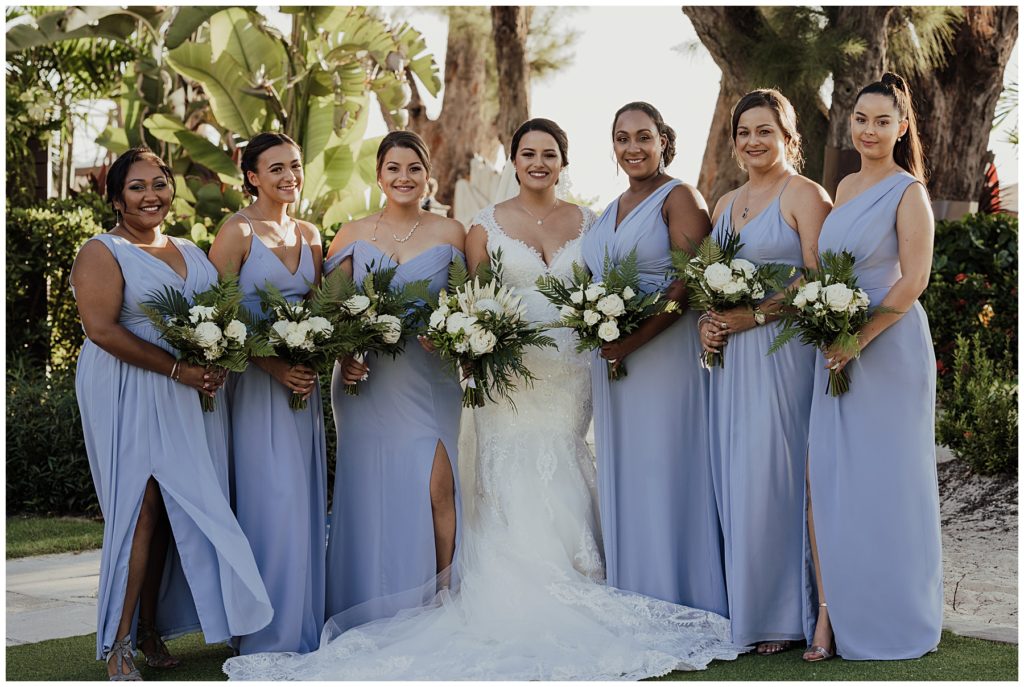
column 123, row 654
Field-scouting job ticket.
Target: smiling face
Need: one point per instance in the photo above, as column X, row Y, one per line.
column 638, row 145
column 760, row 143
column 875, row 125
column 278, row 175
column 402, row 176
column 146, row 197
column 538, row 161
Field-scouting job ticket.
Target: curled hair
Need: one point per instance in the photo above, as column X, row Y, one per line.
column 117, row 174
column 259, row 144
column 785, row 118
column 544, row 126
column 663, row 129
column 403, row 139
column 908, row 151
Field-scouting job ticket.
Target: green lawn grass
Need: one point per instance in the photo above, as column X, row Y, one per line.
column 958, row 658
column 33, row 536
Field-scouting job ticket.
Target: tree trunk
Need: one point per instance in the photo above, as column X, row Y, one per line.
column 510, row 26
column 956, row 104
column 869, row 24
column 463, row 127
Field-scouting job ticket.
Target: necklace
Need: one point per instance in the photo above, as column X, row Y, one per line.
column 540, row 220
column 746, row 206
column 138, row 241
column 277, row 225
column 419, row 218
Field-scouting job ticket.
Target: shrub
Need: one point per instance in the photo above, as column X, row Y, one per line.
column 47, row 467
column 979, row 418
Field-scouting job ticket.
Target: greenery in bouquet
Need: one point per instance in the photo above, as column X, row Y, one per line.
column 308, row 332
column 378, row 313
column 600, row 312
column 480, row 327
column 213, row 331
column 718, row 280
column 827, row 310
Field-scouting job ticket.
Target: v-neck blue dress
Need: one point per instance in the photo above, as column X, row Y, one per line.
column 381, row 555
column 279, row 472
column 140, row 424
column 658, row 514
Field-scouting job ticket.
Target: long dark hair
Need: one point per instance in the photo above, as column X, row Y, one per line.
column 403, row 139
column 256, row 147
column 545, row 126
column 908, row 151
column 664, row 129
column 785, row 117
column 117, row 173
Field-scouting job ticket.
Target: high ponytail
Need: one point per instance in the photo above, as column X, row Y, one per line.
column 907, row 152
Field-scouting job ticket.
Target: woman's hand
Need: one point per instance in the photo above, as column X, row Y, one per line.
column 836, row 358
column 205, row 380
column 353, row 370
column 733, row 320
column 426, row 344
column 298, row 378
column 615, row 352
column 712, row 338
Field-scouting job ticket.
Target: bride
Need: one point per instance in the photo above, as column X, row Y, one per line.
column 531, row 603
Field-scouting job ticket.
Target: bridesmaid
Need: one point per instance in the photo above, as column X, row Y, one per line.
column 759, row 404
column 874, row 517
column 168, row 534
column 395, row 522
column 279, row 467
column 658, row 517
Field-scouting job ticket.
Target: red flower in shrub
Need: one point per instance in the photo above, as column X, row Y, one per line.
column 940, row 367
column 961, row 278
column 968, row 434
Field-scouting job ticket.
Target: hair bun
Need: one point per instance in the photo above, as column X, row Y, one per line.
column 894, row 80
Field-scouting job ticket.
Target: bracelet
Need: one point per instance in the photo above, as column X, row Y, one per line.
column 175, row 371
column 704, row 317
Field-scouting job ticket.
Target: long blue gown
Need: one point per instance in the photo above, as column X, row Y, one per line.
column 759, row 408
column 381, row 554
column 279, row 468
column 873, row 480
column 658, row 514
column 139, row 424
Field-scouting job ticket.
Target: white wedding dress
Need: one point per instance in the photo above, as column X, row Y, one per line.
column 531, row 603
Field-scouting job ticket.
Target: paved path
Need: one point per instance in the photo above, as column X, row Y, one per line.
column 51, row 596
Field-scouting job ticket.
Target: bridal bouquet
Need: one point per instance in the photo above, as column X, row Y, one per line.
column 826, row 310
column 378, row 314
column 604, row 311
column 481, row 327
column 716, row 280
column 307, row 332
column 213, row 331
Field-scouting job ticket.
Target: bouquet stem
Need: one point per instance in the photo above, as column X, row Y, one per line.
column 838, row 383
column 208, row 403
column 473, row 396
column 709, row 360
column 297, row 402
column 352, row 389
column 616, row 372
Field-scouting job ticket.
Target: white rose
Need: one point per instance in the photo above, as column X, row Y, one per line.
column 591, row 317
column 281, row 328
column 608, row 331
column 296, row 336
column 628, row 293
column 611, row 305
column 200, row 312
column 487, row 305
column 862, row 299
column 576, row 297
column 757, row 291
column 320, row 325
column 392, row 328
column 356, row 304
column 568, row 311
column 595, row 291
column 837, row 296
column 236, row 330
column 744, row 266
column 812, row 291
column 734, row 287
column 800, row 300
column 482, row 341
column 207, row 334
column 458, row 322
column 717, row 275
column 437, row 319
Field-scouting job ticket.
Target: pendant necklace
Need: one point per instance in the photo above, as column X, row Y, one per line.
column 540, row 220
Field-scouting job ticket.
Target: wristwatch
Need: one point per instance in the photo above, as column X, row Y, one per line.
column 759, row 317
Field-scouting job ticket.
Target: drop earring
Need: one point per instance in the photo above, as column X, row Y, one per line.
column 661, row 164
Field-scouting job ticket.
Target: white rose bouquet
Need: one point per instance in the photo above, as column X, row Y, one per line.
column 717, row 280
column 826, row 310
column 604, row 311
column 308, row 332
column 213, row 331
column 481, row 327
column 379, row 314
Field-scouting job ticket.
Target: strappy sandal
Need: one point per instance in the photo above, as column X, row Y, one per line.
column 123, row 654
column 816, row 653
column 775, row 646
column 161, row 658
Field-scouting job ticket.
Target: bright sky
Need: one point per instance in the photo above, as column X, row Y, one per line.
column 624, row 54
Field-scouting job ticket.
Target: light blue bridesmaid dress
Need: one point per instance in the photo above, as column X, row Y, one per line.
column 759, row 408
column 280, row 474
column 872, row 458
column 658, row 514
column 139, row 424
column 381, row 554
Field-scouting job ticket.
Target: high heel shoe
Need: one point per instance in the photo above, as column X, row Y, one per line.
column 123, row 655
column 816, row 653
column 161, row 658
